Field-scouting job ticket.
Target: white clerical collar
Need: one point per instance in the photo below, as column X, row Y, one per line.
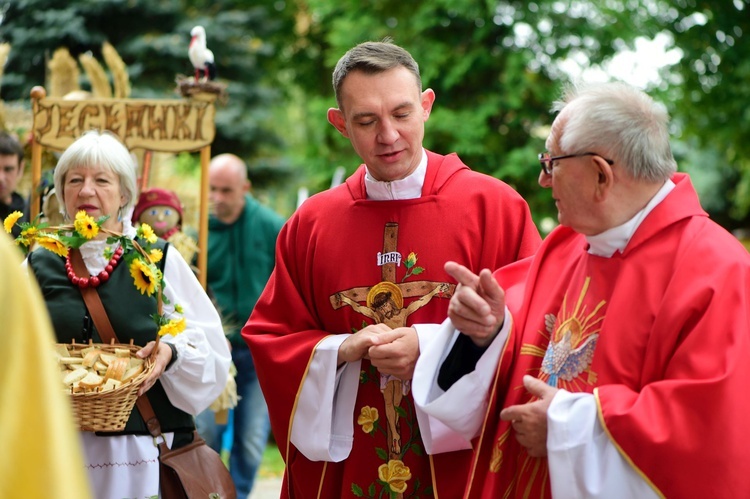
column 617, row 238
column 406, row 188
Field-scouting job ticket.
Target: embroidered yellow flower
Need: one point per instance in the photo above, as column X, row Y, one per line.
column 155, row 255
column 411, row 259
column 395, row 474
column 85, row 225
column 145, row 276
column 178, row 308
column 11, row 220
column 53, row 244
column 367, row 417
column 173, row 327
column 147, row 233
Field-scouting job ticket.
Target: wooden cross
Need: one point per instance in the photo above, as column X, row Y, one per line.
column 394, row 315
column 388, row 273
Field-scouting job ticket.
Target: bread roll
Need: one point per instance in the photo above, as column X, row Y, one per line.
column 132, row 373
column 74, row 376
column 91, row 357
column 91, row 381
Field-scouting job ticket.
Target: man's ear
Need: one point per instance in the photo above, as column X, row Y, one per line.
column 20, row 167
column 605, row 177
column 336, row 118
column 428, row 99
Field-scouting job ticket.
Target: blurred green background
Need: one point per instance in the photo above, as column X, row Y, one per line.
column 495, row 65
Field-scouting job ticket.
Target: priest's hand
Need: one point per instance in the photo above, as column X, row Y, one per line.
column 477, row 307
column 356, row 346
column 396, row 352
column 529, row 421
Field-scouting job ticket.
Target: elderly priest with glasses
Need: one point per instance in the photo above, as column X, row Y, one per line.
column 615, row 362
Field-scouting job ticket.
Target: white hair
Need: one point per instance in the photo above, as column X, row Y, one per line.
column 621, row 123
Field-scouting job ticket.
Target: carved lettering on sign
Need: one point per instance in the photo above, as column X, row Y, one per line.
column 157, row 125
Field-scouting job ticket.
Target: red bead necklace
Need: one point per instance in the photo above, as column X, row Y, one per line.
column 94, row 281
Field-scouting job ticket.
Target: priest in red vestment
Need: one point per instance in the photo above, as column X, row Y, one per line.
column 356, row 263
column 614, row 363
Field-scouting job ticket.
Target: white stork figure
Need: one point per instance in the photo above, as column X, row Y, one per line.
column 200, row 56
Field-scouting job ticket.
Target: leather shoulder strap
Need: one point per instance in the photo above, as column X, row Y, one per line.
column 93, row 302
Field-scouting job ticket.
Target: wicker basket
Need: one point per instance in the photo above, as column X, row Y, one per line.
column 107, row 410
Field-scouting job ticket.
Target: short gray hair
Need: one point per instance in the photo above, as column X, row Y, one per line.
column 98, row 149
column 373, row 58
column 620, row 122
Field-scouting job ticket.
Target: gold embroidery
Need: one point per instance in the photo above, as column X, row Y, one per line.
column 497, row 454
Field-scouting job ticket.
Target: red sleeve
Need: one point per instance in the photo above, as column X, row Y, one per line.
column 686, row 429
column 282, row 333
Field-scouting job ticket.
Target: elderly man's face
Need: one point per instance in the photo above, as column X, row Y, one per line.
column 573, row 182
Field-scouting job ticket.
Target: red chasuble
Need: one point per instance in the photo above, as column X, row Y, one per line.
column 344, row 262
column 660, row 335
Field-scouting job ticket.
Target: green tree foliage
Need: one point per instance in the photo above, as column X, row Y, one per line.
column 495, row 68
column 494, row 65
column 152, row 37
column 491, row 64
column 708, row 95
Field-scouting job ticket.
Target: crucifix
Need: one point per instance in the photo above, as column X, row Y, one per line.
column 385, row 304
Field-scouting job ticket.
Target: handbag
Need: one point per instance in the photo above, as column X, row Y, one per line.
column 193, row 471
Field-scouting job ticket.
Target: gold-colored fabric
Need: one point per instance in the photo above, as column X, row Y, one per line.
column 41, row 452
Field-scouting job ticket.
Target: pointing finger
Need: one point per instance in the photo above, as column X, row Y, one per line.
column 462, row 274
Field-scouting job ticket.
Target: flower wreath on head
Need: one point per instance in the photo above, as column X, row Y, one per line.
column 147, row 277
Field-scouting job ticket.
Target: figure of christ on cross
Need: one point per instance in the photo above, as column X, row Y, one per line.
column 385, row 305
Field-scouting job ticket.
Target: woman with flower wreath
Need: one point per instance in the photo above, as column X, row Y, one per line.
column 95, row 182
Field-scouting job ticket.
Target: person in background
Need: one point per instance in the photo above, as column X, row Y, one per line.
column 95, row 177
column 42, row 453
column 355, row 263
column 614, row 363
column 241, row 240
column 11, row 171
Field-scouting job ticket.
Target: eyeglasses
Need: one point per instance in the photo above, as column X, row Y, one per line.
column 546, row 160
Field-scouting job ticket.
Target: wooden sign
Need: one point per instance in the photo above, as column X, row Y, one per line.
column 155, row 125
